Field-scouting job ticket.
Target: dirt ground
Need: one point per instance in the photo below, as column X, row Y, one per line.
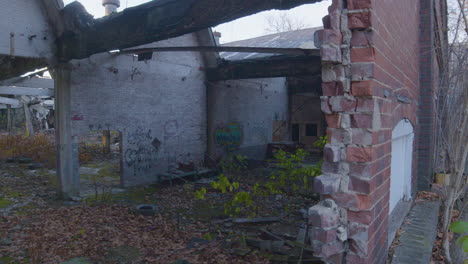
column 36, row 226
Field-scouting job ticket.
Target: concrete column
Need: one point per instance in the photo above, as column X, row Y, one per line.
column 67, row 145
column 28, row 121
column 9, row 119
column 106, row 141
column 110, row 6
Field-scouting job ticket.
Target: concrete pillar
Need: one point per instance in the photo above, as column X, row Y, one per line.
column 67, row 145
column 106, row 141
column 28, row 122
column 110, row 6
column 9, row 119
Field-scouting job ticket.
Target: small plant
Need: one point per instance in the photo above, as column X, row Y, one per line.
column 461, row 227
column 233, row 164
column 292, row 172
column 321, row 142
column 241, row 199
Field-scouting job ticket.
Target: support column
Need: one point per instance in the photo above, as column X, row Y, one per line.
column 28, row 122
column 9, row 119
column 67, row 145
column 106, row 141
column 350, row 224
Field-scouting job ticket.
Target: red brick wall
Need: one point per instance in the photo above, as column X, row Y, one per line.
column 371, row 72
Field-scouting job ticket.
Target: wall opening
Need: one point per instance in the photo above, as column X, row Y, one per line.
column 100, row 158
column 401, row 163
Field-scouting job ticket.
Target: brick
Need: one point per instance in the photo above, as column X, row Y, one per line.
column 325, row 214
column 327, row 184
column 335, row 167
column 362, row 88
column 332, row 154
column 330, row 53
column 359, row 20
column 327, row 36
column 362, row 121
column 365, row 105
column 362, row 137
column 362, row 71
column 359, row 239
column 331, row 249
column 362, row 54
column 362, row 186
column 325, row 106
column 360, row 154
column 333, row 120
column 323, row 235
column 342, row 104
column 359, row 4
column 332, row 89
column 362, row 38
column 345, row 121
column 338, row 136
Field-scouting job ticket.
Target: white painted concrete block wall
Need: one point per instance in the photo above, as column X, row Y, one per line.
column 159, row 105
column 254, row 105
column 24, row 30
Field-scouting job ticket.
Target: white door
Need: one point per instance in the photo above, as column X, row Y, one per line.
column 401, row 164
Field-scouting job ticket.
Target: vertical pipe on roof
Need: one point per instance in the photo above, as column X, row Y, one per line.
column 110, row 6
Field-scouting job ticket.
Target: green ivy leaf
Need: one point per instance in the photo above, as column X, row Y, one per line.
column 459, row 227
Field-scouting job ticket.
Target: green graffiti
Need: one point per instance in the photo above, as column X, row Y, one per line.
column 230, row 138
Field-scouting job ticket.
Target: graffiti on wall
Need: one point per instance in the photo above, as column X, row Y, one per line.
column 141, row 151
column 229, row 137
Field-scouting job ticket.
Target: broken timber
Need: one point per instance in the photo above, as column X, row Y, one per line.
column 268, row 67
column 153, row 21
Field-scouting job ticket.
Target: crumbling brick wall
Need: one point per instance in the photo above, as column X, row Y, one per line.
column 371, row 81
column 159, row 105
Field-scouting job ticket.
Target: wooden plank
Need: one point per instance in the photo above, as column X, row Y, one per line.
column 15, row 90
column 153, row 21
column 10, row 101
column 286, row 51
column 268, row 67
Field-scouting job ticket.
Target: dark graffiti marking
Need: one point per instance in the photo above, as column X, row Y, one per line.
column 139, row 136
column 139, row 155
column 230, row 137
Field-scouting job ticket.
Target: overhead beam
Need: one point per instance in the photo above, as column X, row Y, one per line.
column 9, row 101
column 17, row 90
column 14, row 66
column 286, row 51
column 5, row 106
column 153, row 21
column 268, row 67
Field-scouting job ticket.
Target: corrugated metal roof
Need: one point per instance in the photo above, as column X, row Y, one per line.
column 303, row 38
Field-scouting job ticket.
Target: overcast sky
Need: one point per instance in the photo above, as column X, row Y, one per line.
column 244, row 28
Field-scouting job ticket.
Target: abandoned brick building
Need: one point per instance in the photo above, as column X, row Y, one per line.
column 155, row 74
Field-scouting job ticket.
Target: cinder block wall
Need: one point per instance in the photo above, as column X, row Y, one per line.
column 256, row 106
column 372, row 63
column 159, row 105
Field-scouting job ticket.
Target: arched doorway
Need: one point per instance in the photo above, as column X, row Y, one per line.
column 401, row 165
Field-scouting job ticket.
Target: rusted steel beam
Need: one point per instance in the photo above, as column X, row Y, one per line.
column 285, row 51
column 153, row 21
column 268, row 67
